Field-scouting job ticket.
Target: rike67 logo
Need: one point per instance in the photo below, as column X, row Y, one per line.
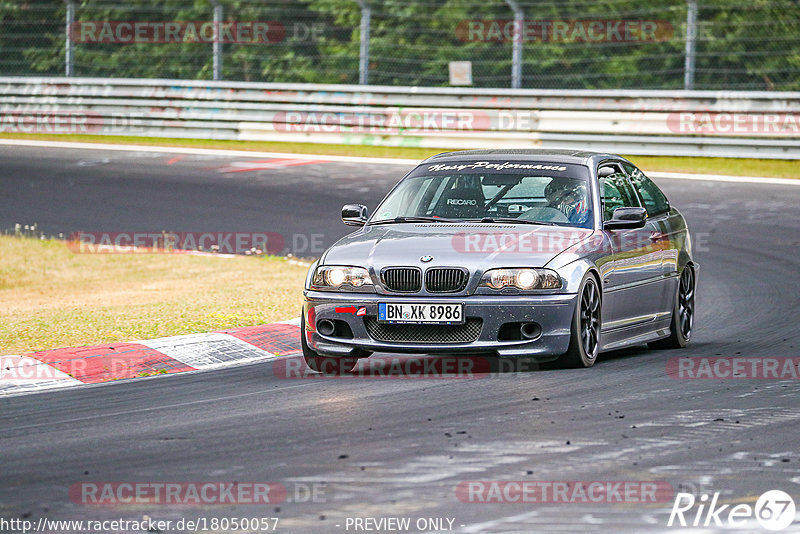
column 774, row 510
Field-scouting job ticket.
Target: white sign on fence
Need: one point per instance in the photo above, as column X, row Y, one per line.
column 461, row 73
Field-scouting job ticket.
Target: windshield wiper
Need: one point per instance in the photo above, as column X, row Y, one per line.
column 411, row 219
column 513, row 220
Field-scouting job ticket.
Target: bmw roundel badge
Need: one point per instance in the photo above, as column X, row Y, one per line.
column 426, row 259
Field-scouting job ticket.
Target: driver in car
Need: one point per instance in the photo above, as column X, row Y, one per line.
column 569, row 197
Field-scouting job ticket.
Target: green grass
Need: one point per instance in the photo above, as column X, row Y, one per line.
column 771, row 168
column 254, row 146
column 51, row 297
column 730, row 166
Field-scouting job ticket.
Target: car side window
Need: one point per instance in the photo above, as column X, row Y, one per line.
column 655, row 202
column 617, row 193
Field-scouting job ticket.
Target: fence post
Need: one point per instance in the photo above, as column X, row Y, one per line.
column 68, row 51
column 691, row 37
column 363, row 53
column 516, row 50
column 217, row 44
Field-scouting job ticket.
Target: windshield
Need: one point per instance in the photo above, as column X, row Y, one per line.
column 557, row 195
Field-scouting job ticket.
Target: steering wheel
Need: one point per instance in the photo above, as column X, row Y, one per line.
column 544, row 214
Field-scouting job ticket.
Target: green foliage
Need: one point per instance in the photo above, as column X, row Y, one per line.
column 740, row 45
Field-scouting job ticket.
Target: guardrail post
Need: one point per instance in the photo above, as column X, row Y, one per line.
column 691, row 37
column 516, row 50
column 68, row 51
column 363, row 53
column 217, row 44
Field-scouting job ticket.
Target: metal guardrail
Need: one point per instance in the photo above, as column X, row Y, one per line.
column 688, row 123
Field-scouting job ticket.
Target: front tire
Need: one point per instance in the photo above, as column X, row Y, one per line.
column 584, row 342
column 329, row 365
column 682, row 314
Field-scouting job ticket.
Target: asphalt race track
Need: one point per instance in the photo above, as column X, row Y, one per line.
column 65, row 191
column 400, row 447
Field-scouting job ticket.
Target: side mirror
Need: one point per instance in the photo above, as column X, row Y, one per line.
column 626, row 218
column 354, row 214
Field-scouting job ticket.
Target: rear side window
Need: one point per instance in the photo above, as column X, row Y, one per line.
column 655, row 202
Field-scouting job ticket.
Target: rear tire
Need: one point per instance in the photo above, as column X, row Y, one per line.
column 584, row 341
column 682, row 314
column 329, row 365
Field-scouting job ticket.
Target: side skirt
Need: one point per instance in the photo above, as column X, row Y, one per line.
column 634, row 336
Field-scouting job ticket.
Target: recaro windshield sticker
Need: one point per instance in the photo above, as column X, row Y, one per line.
column 495, row 166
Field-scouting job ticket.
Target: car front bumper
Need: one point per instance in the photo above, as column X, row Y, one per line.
column 553, row 313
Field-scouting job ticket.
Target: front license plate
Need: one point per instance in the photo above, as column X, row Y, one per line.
column 420, row 313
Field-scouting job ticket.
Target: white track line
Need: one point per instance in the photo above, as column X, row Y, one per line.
column 350, row 159
column 201, row 151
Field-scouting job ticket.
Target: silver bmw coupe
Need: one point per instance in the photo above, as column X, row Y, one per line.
column 553, row 254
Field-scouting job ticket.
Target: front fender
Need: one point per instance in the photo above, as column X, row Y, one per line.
column 573, row 273
column 591, row 254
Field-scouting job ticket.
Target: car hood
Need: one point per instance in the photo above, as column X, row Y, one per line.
column 475, row 246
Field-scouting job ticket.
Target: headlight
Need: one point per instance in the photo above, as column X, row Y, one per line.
column 525, row 279
column 335, row 277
